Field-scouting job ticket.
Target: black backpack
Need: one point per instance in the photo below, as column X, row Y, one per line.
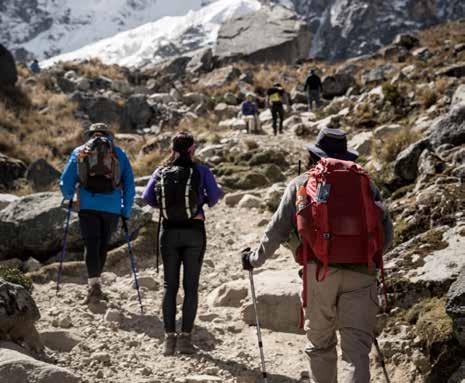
column 98, row 166
column 177, row 193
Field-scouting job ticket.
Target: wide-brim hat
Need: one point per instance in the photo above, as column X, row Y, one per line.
column 332, row 143
column 98, row 127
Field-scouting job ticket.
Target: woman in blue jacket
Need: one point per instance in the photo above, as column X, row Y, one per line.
column 98, row 211
column 182, row 242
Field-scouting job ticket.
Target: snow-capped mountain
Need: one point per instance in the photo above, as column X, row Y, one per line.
column 166, row 37
column 136, row 31
column 345, row 28
column 50, row 27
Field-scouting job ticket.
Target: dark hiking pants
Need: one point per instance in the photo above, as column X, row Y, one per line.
column 313, row 95
column 182, row 246
column 277, row 112
column 97, row 228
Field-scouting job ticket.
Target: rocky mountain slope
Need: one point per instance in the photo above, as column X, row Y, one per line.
column 47, row 28
column 339, row 27
column 344, row 28
column 404, row 111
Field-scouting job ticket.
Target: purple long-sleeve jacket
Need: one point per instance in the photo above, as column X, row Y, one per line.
column 210, row 192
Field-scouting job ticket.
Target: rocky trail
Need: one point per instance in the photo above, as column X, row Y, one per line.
column 116, row 343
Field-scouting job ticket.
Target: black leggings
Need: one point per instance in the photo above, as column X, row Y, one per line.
column 184, row 246
column 277, row 112
column 97, row 228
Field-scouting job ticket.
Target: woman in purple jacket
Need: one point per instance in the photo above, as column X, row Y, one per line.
column 182, row 242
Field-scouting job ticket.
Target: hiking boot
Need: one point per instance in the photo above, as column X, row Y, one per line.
column 185, row 345
column 95, row 295
column 170, row 344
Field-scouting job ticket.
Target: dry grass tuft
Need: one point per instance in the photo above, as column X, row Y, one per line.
column 94, row 68
column 387, row 151
column 36, row 123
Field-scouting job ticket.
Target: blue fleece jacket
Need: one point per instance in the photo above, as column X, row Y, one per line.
column 118, row 202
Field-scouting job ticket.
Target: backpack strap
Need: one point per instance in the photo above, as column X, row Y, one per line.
column 186, row 195
column 158, row 241
column 163, row 196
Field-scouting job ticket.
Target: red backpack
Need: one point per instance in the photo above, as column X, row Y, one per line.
column 337, row 218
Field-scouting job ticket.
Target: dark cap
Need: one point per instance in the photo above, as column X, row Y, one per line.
column 332, row 143
column 98, row 127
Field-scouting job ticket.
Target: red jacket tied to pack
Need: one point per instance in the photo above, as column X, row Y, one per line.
column 337, row 218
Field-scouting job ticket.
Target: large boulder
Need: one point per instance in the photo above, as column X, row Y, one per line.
column 455, row 306
column 449, row 129
column 456, row 70
column 18, row 313
column 406, row 40
column 98, row 108
column 10, row 170
column 406, row 163
column 8, row 73
column 271, row 34
column 18, row 367
column 337, row 85
column 229, row 294
column 34, row 224
column 6, row 199
column 202, row 61
column 173, row 68
column 278, row 296
column 136, row 112
column 362, row 142
column 42, row 175
column 220, row 77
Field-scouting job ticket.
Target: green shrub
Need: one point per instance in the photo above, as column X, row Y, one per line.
column 392, row 94
column 14, row 275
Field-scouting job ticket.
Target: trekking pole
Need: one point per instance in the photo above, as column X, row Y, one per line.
column 65, row 238
column 381, row 358
column 259, row 334
column 300, row 167
column 132, row 262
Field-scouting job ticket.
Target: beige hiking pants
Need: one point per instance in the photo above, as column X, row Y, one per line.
column 252, row 124
column 345, row 301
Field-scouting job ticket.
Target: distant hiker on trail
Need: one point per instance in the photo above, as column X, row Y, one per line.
column 179, row 189
column 333, row 219
column 275, row 98
column 313, row 87
column 105, row 193
column 35, row 67
column 250, row 112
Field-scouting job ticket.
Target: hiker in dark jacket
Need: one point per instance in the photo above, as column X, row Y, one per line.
column 276, row 97
column 346, row 299
column 99, row 212
column 249, row 111
column 182, row 243
column 313, row 87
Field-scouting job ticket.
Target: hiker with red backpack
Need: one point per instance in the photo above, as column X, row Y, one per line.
column 333, row 219
column 105, row 191
column 180, row 188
